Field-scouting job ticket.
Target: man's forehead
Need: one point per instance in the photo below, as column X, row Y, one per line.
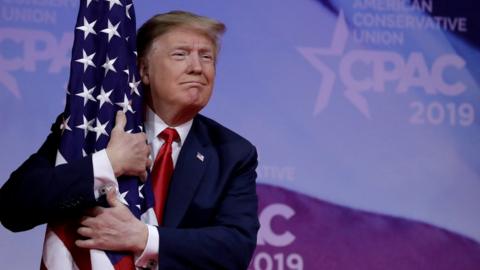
column 185, row 37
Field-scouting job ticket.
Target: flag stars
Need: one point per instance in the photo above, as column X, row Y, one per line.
column 111, row 30
column 99, row 129
column 104, row 97
column 140, row 194
column 126, row 105
column 109, row 65
column 64, row 126
column 134, row 86
column 114, row 2
column 86, row 94
column 86, row 60
column 87, row 28
column 86, row 126
column 122, row 197
column 127, row 10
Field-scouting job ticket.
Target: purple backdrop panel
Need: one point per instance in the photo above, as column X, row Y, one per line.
column 302, row 232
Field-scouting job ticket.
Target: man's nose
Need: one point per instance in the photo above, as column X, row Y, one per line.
column 195, row 66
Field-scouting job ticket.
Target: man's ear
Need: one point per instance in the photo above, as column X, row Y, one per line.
column 143, row 69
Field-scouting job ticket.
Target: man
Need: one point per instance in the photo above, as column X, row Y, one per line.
column 210, row 215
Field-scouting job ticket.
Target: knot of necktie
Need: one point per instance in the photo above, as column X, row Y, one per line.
column 169, row 135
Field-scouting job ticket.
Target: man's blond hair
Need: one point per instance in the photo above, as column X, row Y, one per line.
column 163, row 23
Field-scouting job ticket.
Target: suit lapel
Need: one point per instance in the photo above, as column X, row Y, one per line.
column 189, row 170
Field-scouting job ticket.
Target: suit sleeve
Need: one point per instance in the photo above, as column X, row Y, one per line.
column 39, row 192
column 231, row 239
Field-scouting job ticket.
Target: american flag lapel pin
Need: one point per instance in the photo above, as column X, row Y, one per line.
column 200, row 157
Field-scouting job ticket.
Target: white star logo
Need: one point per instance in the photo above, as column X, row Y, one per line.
column 134, row 86
column 114, row 2
column 111, row 30
column 86, row 126
column 100, row 129
column 109, row 65
column 126, row 105
column 86, row 94
column 337, row 48
column 104, row 97
column 87, row 28
column 86, row 60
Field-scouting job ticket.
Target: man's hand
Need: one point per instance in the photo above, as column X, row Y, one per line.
column 128, row 153
column 114, row 228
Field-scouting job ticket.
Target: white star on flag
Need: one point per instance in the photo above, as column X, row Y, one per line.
column 126, row 105
column 100, row 129
column 87, row 28
column 122, row 196
column 86, row 126
column 64, row 126
column 111, row 30
column 114, row 2
column 86, row 94
column 86, row 60
column 140, row 191
column 128, row 11
column 109, row 65
column 134, row 86
column 104, row 97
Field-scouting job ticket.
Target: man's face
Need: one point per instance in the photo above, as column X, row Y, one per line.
column 180, row 71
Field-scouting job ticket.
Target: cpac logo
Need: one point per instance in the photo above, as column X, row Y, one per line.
column 35, row 46
column 266, row 235
column 362, row 71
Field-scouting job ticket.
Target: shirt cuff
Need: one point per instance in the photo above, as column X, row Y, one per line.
column 149, row 257
column 103, row 174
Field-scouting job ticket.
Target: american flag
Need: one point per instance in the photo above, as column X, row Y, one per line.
column 103, row 80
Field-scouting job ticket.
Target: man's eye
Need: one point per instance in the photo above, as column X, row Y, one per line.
column 179, row 54
column 208, row 57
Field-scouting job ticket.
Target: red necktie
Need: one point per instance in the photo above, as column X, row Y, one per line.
column 162, row 171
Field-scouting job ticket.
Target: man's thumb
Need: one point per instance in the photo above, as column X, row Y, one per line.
column 120, row 121
column 112, row 197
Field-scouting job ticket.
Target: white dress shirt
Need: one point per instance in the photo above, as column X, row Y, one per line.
column 104, row 176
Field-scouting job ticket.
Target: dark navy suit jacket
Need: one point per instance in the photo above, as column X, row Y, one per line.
column 210, row 218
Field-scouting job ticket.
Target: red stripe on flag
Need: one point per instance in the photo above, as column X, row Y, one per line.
column 68, row 234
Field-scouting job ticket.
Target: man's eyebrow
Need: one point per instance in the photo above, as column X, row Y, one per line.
column 204, row 48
